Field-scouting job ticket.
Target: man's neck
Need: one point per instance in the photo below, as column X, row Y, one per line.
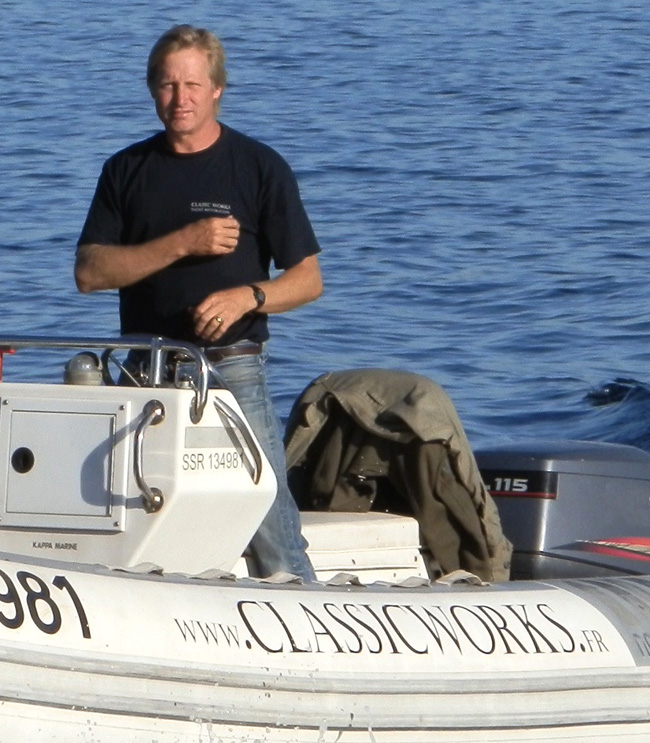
column 186, row 143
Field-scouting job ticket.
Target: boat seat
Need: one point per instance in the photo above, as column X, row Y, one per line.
column 374, row 546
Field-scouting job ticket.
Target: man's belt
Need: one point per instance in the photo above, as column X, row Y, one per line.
column 215, row 354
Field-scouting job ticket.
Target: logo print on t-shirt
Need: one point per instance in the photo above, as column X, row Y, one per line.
column 210, row 207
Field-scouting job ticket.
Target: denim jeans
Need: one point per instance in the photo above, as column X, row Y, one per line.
column 278, row 544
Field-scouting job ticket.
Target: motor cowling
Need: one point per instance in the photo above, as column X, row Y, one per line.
column 571, row 508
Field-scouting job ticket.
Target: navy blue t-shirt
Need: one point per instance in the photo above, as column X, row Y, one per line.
column 146, row 191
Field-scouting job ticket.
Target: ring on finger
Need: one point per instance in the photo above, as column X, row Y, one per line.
column 218, row 319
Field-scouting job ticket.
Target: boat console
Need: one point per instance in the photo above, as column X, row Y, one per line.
column 160, row 470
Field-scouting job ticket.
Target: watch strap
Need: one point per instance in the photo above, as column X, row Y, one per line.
column 259, row 294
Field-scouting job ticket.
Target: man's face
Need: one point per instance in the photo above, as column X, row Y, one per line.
column 185, row 96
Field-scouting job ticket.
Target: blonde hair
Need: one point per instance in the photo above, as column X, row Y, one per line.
column 187, row 37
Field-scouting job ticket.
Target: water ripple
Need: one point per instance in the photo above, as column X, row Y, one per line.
column 479, row 185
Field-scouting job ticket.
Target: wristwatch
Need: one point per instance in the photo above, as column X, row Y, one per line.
column 260, row 296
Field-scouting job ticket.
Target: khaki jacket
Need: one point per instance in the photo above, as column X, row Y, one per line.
column 350, row 429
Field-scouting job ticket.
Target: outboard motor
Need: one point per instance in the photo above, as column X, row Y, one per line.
column 572, row 508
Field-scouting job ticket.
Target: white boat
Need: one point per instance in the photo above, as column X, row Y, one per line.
column 125, row 515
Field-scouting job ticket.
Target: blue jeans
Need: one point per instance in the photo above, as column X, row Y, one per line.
column 278, row 544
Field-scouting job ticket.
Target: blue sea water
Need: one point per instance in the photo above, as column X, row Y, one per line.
column 477, row 172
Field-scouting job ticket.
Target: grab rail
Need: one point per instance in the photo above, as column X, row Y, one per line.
column 154, row 413
column 157, row 347
column 256, row 467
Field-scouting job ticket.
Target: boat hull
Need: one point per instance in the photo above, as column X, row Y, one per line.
column 88, row 653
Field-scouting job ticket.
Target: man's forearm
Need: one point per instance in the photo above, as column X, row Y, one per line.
column 100, row 267
column 294, row 287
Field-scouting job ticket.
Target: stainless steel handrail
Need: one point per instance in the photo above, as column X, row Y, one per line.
column 240, row 425
column 158, row 348
column 154, row 413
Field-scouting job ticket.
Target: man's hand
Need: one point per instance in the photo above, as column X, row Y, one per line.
column 293, row 287
column 218, row 311
column 211, row 236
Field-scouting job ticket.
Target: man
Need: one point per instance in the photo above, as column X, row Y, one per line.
column 185, row 225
